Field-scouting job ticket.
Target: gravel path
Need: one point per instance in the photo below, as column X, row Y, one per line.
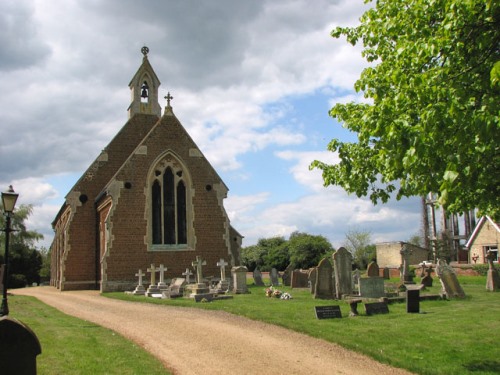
column 193, row 341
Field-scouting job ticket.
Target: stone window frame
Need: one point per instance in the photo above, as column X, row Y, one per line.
column 180, row 173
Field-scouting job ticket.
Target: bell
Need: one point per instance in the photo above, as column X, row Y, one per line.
column 144, row 93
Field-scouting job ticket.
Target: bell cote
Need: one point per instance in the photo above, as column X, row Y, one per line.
column 144, row 89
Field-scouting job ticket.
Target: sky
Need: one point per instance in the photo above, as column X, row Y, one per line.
column 252, row 82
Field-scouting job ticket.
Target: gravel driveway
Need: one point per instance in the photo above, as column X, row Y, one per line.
column 193, row 341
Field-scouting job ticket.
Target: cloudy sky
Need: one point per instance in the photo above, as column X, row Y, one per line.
column 252, row 83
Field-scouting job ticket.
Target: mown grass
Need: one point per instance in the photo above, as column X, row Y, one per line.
column 447, row 337
column 74, row 346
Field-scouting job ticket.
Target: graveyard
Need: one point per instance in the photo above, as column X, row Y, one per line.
column 446, row 334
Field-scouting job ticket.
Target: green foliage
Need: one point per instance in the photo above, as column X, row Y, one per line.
column 24, row 258
column 307, row 250
column 358, row 243
column 431, row 121
column 482, row 269
column 302, row 249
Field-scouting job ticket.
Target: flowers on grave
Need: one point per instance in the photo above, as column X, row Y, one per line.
column 271, row 292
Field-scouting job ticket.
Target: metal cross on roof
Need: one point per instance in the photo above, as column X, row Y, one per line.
column 169, row 98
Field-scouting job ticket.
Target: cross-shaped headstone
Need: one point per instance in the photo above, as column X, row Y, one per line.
column 140, row 275
column 188, row 273
column 162, row 269
column 222, row 264
column 198, row 263
column 152, row 270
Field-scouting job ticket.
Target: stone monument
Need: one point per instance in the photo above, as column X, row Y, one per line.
column 161, row 284
column 257, row 277
column 274, row 276
column 407, row 277
column 450, row 287
column 492, row 277
column 342, row 265
column 223, row 284
column 200, row 287
column 153, row 287
column 324, row 280
column 239, row 279
column 188, row 275
column 139, row 289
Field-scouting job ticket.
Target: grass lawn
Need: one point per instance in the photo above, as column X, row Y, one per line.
column 74, row 346
column 447, row 337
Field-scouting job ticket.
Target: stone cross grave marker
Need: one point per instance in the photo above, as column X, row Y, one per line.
column 257, row 277
column 342, row 263
column 198, row 264
column 405, row 252
column 273, row 275
column 161, row 284
column 449, row 282
column 222, row 265
column 139, row 289
column 324, row 281
column 492, row 277
column 188, row 275
column 153, row 288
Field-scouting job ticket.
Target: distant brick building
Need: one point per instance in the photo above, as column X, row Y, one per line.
column 389, row 254
column 149, row 197
column 484, row 238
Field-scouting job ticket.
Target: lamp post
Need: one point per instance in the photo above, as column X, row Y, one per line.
column 9, row 199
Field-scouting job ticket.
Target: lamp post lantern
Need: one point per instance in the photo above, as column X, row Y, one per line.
column 9, row 199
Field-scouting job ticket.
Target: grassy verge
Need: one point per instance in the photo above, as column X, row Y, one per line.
column 74, row 346
column 447, row 337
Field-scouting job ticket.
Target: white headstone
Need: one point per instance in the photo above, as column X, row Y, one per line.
column 222, row 264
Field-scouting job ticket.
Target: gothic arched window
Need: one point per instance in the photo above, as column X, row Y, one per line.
column 169, row 206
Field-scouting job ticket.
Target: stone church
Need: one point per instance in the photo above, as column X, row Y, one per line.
column 150, row 197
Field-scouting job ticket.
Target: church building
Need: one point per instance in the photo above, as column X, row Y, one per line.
column 150, row 197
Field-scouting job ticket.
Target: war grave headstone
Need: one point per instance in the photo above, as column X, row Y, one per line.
column 188, row 275
column 139, row 289
column 407, row 277
column 199, row 287
column 450, row 287
column 223, row 284
column 373, row 285
column 274, row 276
column 239, row 275
column 324, row 282
column 342, row 265
column 19, row 347
column 287, row 275
column 375, row 308
column 299, row 279
column 257, row 278
column 427, row 279
column 311, row 279
column 327, row 312
column 153, row 290
column 492, row 277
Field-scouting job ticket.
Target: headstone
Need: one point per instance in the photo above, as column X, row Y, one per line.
column 405, row 256
column 273, row 275
column 492, row 277
column 427, row 279
column 387, row 273
column 299, row 279
column 239, row 279
column 450, row 287
column 353, row 304
column 375, row 308
column 311, row 279
column 139, row 289
column 327, row 312
column 153, row 288
column 412, row 299
column 188, row 275
column 324, row 282
column 177, row 286
column 372, row 270
column 342, row 263
column 19, row 347
column 355, row 279
column 257, row 277
column 223, row 284
column 371, row 287
column 287, row 275
column 200, row 287
column 161, row 284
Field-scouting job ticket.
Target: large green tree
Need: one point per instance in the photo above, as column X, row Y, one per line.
column 431, row 119
column 306, row 250
column 25, row 261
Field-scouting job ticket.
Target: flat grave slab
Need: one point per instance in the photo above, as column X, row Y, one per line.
column 328, row 312
column 375, row 308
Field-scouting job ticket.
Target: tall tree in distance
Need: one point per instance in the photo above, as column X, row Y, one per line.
column 359, row 244
column 431, row 121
